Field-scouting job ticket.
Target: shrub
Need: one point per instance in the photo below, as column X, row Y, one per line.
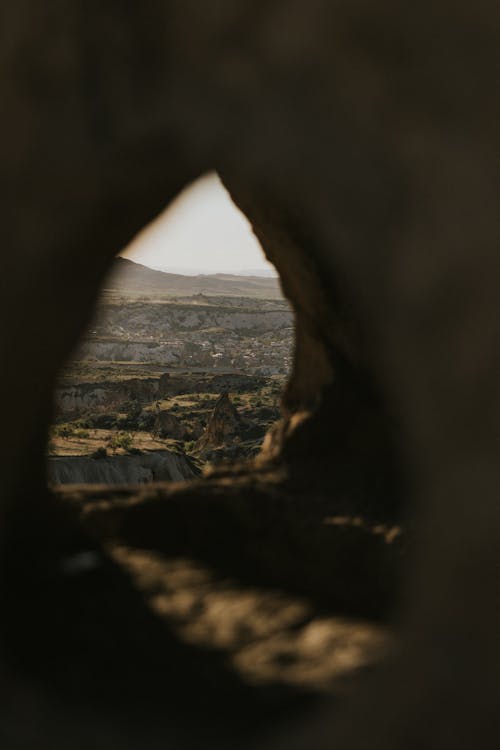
column 78, row 428
column 99, row 453
column 83, row 434
column 64, row 430
column 105, row 421
column 123, row 424
column 83, row 424
column 123, row 440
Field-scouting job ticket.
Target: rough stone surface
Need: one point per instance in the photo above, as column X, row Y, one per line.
column 361, row 140
column 76, row 399
column 223, row 424
column 168, row 425
column 135, row 469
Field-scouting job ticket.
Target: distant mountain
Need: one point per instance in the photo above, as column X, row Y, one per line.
column 133, row 278
column 268, row 273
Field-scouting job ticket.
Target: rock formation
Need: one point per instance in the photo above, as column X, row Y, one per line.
column 164, row 385
column 361, row 142
column 159, row 466
column 77, row 399
column 223, row 424
column 168, row 426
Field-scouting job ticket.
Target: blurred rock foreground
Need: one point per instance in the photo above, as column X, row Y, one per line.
column 339, row 590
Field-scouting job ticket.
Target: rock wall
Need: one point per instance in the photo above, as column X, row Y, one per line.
column 77, row 399
column 128, row 351
column 141, row 318
column 154, row 467
column 361, row 140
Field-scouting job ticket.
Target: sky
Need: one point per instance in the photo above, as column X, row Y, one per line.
column 202, row 231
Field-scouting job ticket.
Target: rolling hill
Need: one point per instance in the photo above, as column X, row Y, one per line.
column 132, row 278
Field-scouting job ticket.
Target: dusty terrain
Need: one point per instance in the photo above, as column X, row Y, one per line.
column 149, row 375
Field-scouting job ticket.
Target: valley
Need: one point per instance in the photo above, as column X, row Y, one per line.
column 162, row 387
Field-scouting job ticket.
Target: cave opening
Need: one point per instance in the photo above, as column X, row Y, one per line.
column 254, row 607
column 184, row 364
column 225, row 581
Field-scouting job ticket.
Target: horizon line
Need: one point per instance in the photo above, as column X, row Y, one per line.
column 263, row 273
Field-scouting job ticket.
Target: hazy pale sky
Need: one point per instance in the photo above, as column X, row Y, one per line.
column 202, row 230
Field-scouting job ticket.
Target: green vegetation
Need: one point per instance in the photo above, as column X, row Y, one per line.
column 81, row 434
column 63, row 430
column 130, row 425
column 78, row 429
column 121, row 440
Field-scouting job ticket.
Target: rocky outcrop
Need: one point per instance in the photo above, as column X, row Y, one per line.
column 134, row 469
column 223, row 425
column 80, row 398
column 77, row 399
column 141, row 318
column 167, row 425
column 127, row 351
column 164, row 385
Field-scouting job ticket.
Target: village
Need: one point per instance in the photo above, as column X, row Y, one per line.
column 164, row 387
